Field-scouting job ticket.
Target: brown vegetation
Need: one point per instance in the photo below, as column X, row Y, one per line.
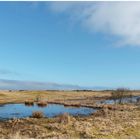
column 29, row 102
column 37, row 114
column 68, row 97
column 102, row 124
column 42, row 103
column 64, row 118
column 112, row 121
column 72, row 105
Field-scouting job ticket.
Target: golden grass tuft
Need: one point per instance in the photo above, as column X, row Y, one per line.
column 72, row 105
column 37, row 114
column 64, row 118
column 29, row 102
column 42, row 103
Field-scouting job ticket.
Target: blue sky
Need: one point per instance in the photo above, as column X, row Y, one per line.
column 58, row 42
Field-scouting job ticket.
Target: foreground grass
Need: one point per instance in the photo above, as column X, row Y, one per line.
column 103, row 124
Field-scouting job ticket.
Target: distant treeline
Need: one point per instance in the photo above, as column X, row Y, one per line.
column 77, row 90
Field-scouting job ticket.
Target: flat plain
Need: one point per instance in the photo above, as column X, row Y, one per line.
column 110, row 121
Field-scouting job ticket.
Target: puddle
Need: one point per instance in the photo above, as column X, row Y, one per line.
column 9, row 111
column 133, row 99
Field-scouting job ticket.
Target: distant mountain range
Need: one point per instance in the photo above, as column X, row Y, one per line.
column 31, row 85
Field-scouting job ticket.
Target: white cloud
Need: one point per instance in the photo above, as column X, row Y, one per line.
column 121, row 19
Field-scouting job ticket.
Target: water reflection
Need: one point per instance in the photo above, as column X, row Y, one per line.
column 133, row 99
column 9, row 111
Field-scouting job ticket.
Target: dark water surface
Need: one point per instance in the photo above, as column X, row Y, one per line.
column 133, row 99
column 9, row 111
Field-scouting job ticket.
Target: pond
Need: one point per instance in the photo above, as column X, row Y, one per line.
column 9, row 111
column 133, row 99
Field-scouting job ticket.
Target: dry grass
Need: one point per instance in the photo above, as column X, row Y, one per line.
column 67, row 97
column 21, row 96
column 113, row 121
column 103, row 124
column 29, row 102
column 42, row 103
column 64, row 118
column 37, row 114
column 72, row 105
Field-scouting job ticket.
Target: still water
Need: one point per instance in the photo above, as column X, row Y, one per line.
column 133, row 99
column 9, row 111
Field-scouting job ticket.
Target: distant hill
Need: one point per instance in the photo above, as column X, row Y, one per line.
column 31, row 85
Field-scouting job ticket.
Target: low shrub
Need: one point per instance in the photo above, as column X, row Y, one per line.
column 120, row 93
column 64, row 118
column 138, row 100
column 37, row 114
column 42, row 104
column 38, row 98
column 29, row 102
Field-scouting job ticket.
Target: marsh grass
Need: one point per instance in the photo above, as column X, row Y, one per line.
column 72, row 105
column 2, row 95
column 105, row 124
column 42, row 103
column 64, row 118
column 29, row 102
column 37, row 114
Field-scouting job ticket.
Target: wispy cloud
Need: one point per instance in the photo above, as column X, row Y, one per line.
column 120, row 19
column 8, row 72
column 6, row 84
column 32, row 85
